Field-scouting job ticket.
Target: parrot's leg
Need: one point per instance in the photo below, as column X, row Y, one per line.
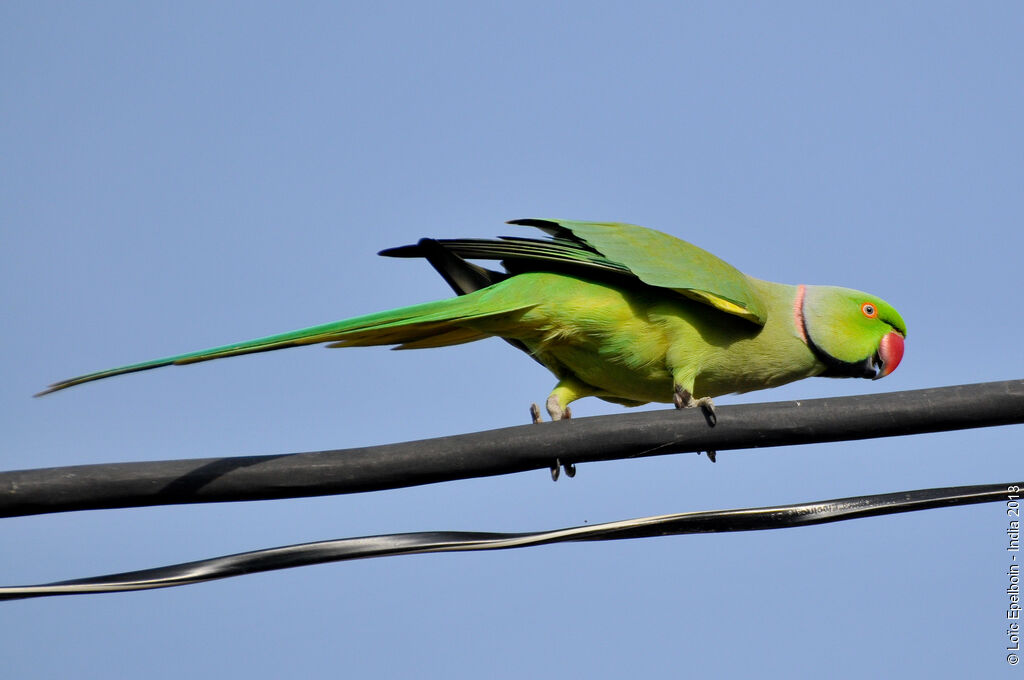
column 567, row 390
column 682, row 398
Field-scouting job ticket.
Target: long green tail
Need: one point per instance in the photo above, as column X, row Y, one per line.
column 431, row 324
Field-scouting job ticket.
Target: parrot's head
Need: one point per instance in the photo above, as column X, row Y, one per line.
column 856, row 335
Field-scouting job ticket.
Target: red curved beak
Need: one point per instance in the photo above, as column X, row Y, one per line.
column 890, row 353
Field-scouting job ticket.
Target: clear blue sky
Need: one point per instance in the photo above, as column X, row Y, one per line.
column 180, row 175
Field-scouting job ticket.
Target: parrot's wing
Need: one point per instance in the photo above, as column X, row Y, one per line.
column 665, row 261
column 610, row 250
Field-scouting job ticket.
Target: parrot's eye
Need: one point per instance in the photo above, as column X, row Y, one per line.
column 869, row 310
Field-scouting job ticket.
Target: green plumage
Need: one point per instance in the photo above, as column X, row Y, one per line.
column 617, row 311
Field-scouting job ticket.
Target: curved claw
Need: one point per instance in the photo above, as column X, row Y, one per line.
column 708, row 407
column 558, row 465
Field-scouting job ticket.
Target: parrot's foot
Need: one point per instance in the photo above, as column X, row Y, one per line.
column 557, row 413
column 554, row 410
column 682, row 398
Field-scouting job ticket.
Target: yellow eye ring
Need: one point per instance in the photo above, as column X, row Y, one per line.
column 869, row 310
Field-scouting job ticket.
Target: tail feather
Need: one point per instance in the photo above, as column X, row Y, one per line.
column 455, row 336
column 432, row 324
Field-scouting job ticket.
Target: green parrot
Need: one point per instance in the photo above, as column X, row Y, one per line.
column 620, row 312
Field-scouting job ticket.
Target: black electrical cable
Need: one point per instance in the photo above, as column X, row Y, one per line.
column 451, row 541
column 513, row 449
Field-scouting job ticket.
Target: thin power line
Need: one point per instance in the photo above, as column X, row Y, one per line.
column 749, row 519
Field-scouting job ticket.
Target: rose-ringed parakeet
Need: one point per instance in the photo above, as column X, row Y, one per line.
column 620, row 312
